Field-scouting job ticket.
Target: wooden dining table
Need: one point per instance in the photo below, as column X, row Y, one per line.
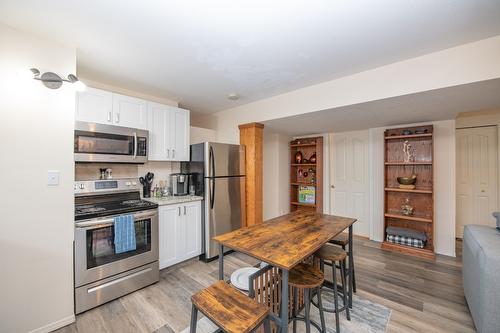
column 284, row 242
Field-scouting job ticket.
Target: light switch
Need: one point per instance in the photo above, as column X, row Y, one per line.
column 53, row 177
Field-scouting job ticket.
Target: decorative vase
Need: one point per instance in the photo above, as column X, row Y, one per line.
column 298, row 157
column 312, row 159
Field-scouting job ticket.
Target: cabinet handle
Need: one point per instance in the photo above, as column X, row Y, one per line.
column 173, row 153
column 179, row 210
column 117, row 117
column 168, row 153
column 184, row 210
column 109, row 116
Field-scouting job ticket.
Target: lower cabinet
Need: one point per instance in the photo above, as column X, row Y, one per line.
column 180, row 232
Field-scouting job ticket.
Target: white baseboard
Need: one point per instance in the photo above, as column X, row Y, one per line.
column 55, row 325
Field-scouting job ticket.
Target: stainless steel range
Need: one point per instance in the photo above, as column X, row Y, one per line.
column 102, row 273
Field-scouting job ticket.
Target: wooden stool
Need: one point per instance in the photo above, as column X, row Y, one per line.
column 343, row 240
column 306, row 277
column 335, row 255
column 229, row 309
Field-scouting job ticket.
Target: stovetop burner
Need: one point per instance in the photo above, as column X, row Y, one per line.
column 110, row 204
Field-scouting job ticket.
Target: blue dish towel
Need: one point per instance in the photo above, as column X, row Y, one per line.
column 124, row 233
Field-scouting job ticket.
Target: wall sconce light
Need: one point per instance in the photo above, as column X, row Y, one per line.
column 53, row 81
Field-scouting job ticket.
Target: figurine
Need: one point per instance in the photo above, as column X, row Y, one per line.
column 406, row 208
column 407, row 151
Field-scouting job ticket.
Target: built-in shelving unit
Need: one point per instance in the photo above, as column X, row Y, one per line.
column 308, row 174
column 421, row 197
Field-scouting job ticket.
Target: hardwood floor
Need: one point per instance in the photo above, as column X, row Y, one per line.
column 424, row 296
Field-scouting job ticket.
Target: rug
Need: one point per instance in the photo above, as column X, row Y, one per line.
column 366, row 317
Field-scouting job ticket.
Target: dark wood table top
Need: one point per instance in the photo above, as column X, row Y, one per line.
column 286, row 240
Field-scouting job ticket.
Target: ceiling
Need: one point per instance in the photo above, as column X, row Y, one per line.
column 439, row 104
column 198, row 52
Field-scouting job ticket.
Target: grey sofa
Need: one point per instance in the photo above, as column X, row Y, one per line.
column 481, row 276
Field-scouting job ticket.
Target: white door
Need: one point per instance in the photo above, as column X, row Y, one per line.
column 130, row 111
column 95, row 106
column 179, row 140
column 192, row 222
column 168, row 217
column 477, row 176
column 158, row 119
column 349, row 170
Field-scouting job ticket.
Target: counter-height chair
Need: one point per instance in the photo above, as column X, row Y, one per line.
column 229, row 309
column 337, row 257
column 307, row 278
column 343, row 241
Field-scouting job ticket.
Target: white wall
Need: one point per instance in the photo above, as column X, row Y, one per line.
column 199, row 134
column 36, row 135
column 276, row 177
column 444, row 184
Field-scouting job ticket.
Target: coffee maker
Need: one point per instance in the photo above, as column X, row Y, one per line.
column 179, row 184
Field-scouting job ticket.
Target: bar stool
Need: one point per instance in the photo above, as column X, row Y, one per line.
column 229, row 309
column 307, row 278
column 335, row 255
column 343, row 240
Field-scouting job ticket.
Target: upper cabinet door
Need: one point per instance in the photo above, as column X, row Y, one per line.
column 158, row 122
column 94, row 105
column 180, row 140
column 130, row 112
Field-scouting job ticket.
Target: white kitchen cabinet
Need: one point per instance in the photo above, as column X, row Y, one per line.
column 169, row 133
column 192, row 229
column 94, row 105
column 180, row 232
column 130, row 112
column 180, row 140
column 104, row 107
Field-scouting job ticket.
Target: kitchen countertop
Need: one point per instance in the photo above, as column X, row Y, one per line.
column 174, row 200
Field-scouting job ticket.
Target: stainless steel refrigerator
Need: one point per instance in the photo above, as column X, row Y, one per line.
column 218, row 173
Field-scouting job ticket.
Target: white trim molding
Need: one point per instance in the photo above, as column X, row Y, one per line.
column 55, row 325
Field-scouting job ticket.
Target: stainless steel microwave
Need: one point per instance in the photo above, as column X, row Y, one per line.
column 111, row 144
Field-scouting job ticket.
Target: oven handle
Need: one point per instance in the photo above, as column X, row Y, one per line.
column 109, row 221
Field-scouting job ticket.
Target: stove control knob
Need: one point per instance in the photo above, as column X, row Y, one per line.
column 128, row 183
column 82, row 186
column 134, row 183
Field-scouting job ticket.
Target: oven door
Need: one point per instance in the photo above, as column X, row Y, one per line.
column 106, row 143
column 95, row 256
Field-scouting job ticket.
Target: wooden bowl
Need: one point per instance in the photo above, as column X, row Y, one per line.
column 407, row 180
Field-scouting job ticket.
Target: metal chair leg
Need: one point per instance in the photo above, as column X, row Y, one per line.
column 295, row 308
column 194, row 319
column 353, row 275
column 336, row 298
column 343, row 278
column 320, row 309
column 307, row 305
column 267, row 325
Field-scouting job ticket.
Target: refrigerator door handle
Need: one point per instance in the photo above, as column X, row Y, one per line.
column 212, row 179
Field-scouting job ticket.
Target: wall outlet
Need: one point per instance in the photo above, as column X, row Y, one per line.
column 53, row 177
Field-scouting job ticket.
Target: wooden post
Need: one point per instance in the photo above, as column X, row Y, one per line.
column 251, row 137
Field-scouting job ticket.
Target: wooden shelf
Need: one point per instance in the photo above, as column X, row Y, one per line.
column 390, row 189
column 408, row 218
column 302, row 204
column 410, row 163
column 415, row 251
column 421, row 198
column 303, row 145
column 314, row 179
column 410, row 136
